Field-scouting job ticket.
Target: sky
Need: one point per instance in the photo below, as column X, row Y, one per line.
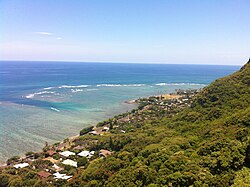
column 132, row 31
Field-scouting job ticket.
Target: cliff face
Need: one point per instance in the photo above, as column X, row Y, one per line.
column 206, row 144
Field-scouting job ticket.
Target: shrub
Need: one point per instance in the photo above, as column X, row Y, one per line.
column 86, row 130
column 82, row 161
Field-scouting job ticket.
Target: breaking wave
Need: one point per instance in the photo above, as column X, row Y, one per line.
column 178, row 84
column 54, row 109
column 70, row 86
column 76, row 90
column 48, row 88
column 119, row 85
column 30, row 96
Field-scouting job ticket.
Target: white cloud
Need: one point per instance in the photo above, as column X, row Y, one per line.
column 44, row 33
column 48, row 34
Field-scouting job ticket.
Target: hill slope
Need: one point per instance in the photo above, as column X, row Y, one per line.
column 206, row 144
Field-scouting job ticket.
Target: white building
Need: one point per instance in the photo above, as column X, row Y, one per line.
column 70, row 162
column 105, row 128
column 58, row 175
column 86, row 153
column 22, row 165
column 67, row 153
column 94, row 133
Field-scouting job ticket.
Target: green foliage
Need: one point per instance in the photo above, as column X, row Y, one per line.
column 86, row 130
column 41, row 183
column 13, row 159
column 242, row 178
column 16, row 182
column 38, row 155
column 133, row 176
column 41, row 164
column 56, row 156
column 59, row 183
column 4, row 180
column 222, row 155
column 30, row 153
column 192, row 116
column 82, row 161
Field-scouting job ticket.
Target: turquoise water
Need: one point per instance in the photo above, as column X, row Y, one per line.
column 49, row 101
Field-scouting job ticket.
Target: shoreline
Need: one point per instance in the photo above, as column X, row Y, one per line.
column 95, row 143
column 135, row 102
column 71, row 137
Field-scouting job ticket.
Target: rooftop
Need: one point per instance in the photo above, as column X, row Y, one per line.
column 67, row 153
column 43, row 174
column 22, row 165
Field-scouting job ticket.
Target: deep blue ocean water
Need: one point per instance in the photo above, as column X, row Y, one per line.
column 49, row 101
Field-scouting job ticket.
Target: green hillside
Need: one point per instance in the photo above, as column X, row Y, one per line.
column 206, row 144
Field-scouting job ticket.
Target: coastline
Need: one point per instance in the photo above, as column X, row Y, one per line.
column 135, row 104
column 123, row 109
column 27, row 127
column 140, row 106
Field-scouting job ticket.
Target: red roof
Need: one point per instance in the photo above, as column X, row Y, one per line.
column 43, row 174
column 50, row 152
column 104, row 152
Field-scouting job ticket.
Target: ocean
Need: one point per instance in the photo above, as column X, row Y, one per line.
column 50, row 101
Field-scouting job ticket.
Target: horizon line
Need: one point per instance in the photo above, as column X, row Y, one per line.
column 120, row 62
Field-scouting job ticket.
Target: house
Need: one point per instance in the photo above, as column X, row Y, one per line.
column 70, row 163
column 104, row 153
column 43, row 174
column 67, row 153
column 58, row 175
column 86, row 153
column 22, row 165
column 94, row 133
column 51, row 152
column 57, row 168
column 79, row 147
column 61, row 146
column 52, row 160
column 3, row 165
column 105, row 129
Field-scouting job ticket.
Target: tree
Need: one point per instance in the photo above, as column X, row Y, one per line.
column 82, row 161
column 13, row 159
column 4, row 180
